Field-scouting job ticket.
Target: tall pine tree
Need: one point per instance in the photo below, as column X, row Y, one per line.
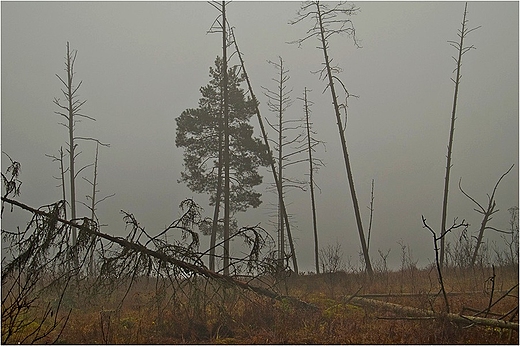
column 200, row 133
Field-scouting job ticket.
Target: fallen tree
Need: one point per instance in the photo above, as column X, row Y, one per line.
column 411, row 312
column 130, row 246
column 392, row 295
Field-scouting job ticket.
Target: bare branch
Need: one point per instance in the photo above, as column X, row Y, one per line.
column 93, row 139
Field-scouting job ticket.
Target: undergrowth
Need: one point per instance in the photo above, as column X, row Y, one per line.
column 203, row 312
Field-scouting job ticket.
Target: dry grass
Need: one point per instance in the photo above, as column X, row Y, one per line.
column 205, row 313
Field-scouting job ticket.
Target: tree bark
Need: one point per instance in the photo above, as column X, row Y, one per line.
column 281, row 234
column 218, row 197
column 311, row 183
column 343, row 144
column 461, row 50
column 226, row 143
column 72, row 147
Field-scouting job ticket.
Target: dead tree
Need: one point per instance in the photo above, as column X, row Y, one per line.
column 487, row 215
column 512, row 244
column 61, row 178
column 328, row 22
column 278, row 102
column 371, row 208
column 70, row 109
column 437, row 254
column 217, row 26
column 227, row 213
column 314, row 163
column 93, row 204
column 135, row 258
column 415, row 313
column 218, row 198
column 461, row 49
column 220, row 25
column 71, row 112
column 273, row 167
column 226, row 142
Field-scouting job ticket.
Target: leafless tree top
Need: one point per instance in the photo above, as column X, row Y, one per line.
column 333, row 19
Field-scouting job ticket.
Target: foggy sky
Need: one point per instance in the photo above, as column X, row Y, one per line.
column 142, row 64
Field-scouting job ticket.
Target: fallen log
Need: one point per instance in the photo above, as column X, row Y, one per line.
column 421, row 313
column 408, row 295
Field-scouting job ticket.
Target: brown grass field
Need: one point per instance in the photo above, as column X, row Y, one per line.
column 200, row 311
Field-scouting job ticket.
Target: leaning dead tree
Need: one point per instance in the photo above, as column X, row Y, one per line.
column 132, row 250
column 329, row 21
column 371, row 215
column 461, row 49
column 276, row 178
column 486, row 214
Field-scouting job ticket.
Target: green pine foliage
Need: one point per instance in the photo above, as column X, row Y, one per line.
column 200, row 133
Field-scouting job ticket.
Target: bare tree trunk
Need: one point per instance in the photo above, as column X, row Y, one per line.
column 226, row 143
column 437, row 259
column 281, row 235
column 61, row 178
column 62, row 172
column 218, row 197
column 214, row 226
column 461, row 50
column 371, row 208
column 487, row 214
column 311, row 183
column 343, row 143
column 72, row 146
column 71, row 111
column 93, row 209
column 273, row 167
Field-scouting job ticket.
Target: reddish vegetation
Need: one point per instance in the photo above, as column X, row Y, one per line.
column 199, row 311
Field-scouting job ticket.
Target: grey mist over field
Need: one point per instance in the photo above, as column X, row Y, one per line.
column 142, row 64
